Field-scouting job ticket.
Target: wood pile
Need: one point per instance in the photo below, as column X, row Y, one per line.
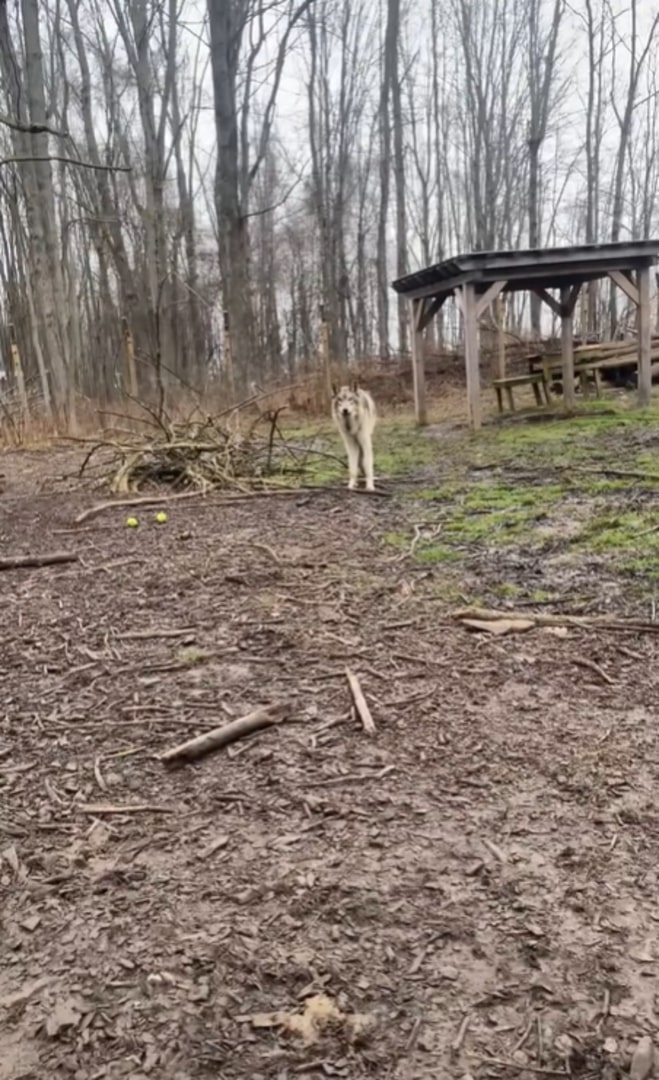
column 201, row 456
column 612, row 351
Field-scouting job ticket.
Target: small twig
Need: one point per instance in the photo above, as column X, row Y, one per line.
column 414, row 1035
column 265, row 717
column 362, row 709
column 145, row 635
column 352, row 778
column 494, row 850
column 99, row 775
column 524, row 1037
column 269, row 551
column 502, row 1063
column 459, row 1039
column 582, row 661
column 134, row 808
column 14, row 562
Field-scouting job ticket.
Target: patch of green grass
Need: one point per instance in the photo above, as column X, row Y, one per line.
column 397, row 539
column 647, row 567
column 444, row 493
column 540, row 486
column 620, row 532
column 399, row 447
column 436, row 553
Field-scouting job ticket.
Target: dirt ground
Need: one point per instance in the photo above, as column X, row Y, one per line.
column 475, row 887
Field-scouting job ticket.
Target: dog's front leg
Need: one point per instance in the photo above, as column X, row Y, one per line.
column 353, row 463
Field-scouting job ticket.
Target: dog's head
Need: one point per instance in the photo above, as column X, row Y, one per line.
column 345, row 402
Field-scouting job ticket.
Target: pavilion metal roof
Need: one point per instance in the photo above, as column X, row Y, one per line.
column 531, row 268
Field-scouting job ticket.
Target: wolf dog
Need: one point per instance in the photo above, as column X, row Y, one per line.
column 353, row 412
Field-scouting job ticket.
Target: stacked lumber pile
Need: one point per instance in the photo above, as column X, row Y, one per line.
column 612, row 351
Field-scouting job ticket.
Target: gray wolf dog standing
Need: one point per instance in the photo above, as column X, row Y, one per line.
column 353, row 412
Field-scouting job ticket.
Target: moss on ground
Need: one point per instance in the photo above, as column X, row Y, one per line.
column 546, row 485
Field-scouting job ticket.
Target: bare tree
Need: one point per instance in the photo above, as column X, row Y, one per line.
column 541, row 68
column 638, row 56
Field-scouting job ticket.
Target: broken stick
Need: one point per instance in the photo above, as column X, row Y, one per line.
column 139, row 500
column 583, row 622
column 266, row 716
column 359, row 701
column 13, row 562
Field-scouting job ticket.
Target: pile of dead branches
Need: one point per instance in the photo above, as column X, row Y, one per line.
column 199, row 455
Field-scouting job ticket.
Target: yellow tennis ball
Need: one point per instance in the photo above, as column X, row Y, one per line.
column 161, row 517
column 131, row 522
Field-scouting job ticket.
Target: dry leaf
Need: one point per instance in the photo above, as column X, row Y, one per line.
column 31, row 922
column 643, row 1059
column 63, row 1015
column 215, row 845
column 263, row 1020
column 10, row 856
column 319, row 1012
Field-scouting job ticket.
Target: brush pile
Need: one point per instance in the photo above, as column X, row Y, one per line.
column 200, row 455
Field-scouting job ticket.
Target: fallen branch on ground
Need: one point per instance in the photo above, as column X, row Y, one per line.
column 14, row 562
column 224, row 500
column 359, row 701
column 142, row 500
column 583, row 622
column 266, row 716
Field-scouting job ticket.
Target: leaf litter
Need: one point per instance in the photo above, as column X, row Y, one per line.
column 471, row 890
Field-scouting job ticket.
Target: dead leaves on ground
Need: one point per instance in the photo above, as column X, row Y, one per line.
column 319, row 1016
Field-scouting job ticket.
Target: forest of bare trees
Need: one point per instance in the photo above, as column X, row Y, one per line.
column 171, row 170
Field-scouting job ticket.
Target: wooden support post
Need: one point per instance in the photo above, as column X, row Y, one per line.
column 472, row 366
column 567, row 348
column 500, row 311
column 417, row 311
column 644, row 338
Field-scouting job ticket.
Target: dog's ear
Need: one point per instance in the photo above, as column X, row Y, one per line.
column 334, row 390
column 355, row 386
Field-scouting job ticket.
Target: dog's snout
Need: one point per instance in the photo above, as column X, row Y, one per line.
column 345, row 411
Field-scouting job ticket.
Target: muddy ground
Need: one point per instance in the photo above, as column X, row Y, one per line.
column 478, row 882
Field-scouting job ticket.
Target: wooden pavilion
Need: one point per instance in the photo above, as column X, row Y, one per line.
column 476, row 280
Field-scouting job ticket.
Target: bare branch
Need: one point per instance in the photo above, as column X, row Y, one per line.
column 33, row 129
column 65, row 161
